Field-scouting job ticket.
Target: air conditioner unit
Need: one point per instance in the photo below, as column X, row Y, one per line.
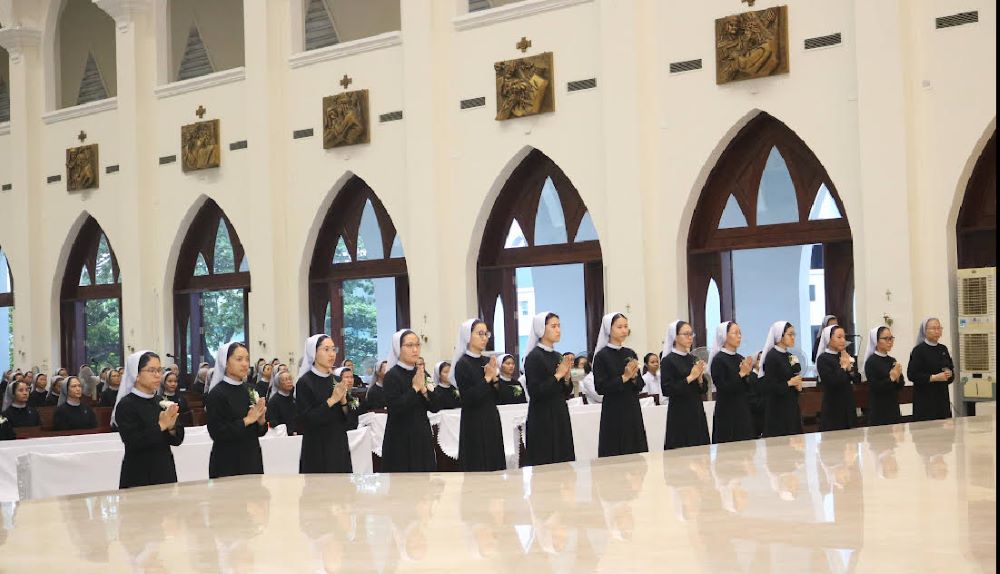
column 977, row 332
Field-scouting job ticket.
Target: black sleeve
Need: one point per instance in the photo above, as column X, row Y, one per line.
column 540, row 379
column 917, row 370
column 59, row 420
column 135, row 432
column 472, row 383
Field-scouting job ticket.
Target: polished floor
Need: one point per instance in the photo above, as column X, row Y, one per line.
column 909, row 498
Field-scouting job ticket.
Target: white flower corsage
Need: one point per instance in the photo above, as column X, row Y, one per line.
column 518, row 391
column 254, row 397
column 3, row 420
column 353, row 403
column 793, row 360
column 165, row 404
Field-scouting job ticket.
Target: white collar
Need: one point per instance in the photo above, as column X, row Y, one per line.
column 781, row 349
column 503, row 378
column 676, row 352
column 282, row 393
column 829, row 352
column 405, row 366
column 444, row 386
column 139, row 393
column 881, row 354
column 173, row 394
column 727, row 351
column 72, row 403
column 545, row 348
column 614, row 346
column 473, row 355
column 231, row 381
column 319, row 373
column 929, row 343
column 17, row 406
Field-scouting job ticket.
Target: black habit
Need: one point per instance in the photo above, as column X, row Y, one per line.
column 931, row 400
column 548, row 433
column 108, row 397
column 37, row 398
column 147, row 459
column 235, row 446
column 324, row 428
column 687, row 424
column 511, row 392
column 408, row 445
column 70, row 417
column 622, row 429
column 375, row 397
column 7, row 430
column 281, row 410
column 782, row 415
column 838, row 410
column 447, row 397
column 733, row 418
column 480, row 442
column 24, row 416
column 883, row 394
column 178, row 397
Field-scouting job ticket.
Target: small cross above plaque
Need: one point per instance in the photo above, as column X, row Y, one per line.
column 523, row 45
column 346, row 81
column 200, row 112
column 748, row 2
column 82, row 137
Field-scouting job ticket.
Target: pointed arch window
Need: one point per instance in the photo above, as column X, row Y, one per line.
column 6, row 313
column 85, row 53
column 90, row 301
column 977, row 218
column 358, row 283
column 204, row 37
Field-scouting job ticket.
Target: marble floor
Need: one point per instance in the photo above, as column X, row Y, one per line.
column 909, row 498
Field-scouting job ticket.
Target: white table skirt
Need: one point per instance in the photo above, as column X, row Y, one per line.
column 84, row 467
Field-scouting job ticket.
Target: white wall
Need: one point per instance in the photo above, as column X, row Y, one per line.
column 639, row 147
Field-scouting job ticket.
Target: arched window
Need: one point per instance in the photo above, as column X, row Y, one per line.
column 4, row 86
column 329, row 22
column 977, row 219
column 540, row 252
column 205, row 37
column 91, row 300
column 359, row 291
column 769, row 240
column 6, row 314
column 85, row 54
column 210, row 290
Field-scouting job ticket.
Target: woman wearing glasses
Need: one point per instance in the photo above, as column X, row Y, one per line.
column 683, row 385
column 885, row 378
column 324, row 413
column 408, row 445
column 146, row 428
column 932, row 372
column 480, row 442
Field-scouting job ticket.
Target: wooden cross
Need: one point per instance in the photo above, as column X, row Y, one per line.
column 523, row 45
column 346, row 81
column 200, row 112
column 82, row 137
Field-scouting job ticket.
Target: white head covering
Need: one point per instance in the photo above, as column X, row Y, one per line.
column 276, row 381
column 397, row 341
column 339, row 372
column 436, row 375
column 604, row 337
column 163, row 382
column 721, row 331
column 308, row 354
column 773, row 336
column 464, row 336
column 8, row 396
column 537, row 331
column 500, row 361
column 51, row 382
column 872, row 342
column 669, row 337
column 64, row 390
column 824, row 339
column 922, row 333
column 128, row 381
column 220, row 365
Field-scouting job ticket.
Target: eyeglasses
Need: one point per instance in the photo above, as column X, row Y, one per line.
column 887, row 338
column 486, row 334
column 153, row 371
column 330, row 349
column 410, row 345
column 686, row 334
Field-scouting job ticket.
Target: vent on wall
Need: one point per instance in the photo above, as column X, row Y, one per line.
column 685, row 66
column 320, row 32
column 472, row 103
column 823, row 41
column 391, row 116
column 959, row 19
column 578, row 85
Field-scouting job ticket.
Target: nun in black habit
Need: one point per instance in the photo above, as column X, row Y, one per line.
column 617, row 378
column 147, row 426
column 408, row 445
column 70, row 414
column 281, row 408
column 480, row 441
column 235, row 415
column 885, row 378
column 932, row 371
column 683, row 385
column 734, row 380
column 511, row 388
column 16, row 409
column 445, row 392
column 779, row 375
column 837, row 377
column 548, row 433
column 325, row 414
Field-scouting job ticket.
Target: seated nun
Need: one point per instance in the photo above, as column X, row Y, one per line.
column 16, row 408
column 444, row 391
column 169, row 390
column 70, row 414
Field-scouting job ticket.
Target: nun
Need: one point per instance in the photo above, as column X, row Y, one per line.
column 55, row 388
column 548, row 435
column 375, row 395
column 780, row 376
column 324, row 413
column 617, row 380
column 235, row 415
column 827, row 321
column 445, row 393
column 511, row 391
column 885, row 378
column 109, row 396
column 651, row 376
column 170, row 392
column 349, row 365
column 408, row 445
column 147, row 427
column 683, row 384
column 40, row 392
column 89, row 381
column 202, row 379
column 102, row 383
column 16, row 408
column 70, row 414
column 932, row 371
column 480, row 440
column 263, row 381
column 734, row 380
column 837, row 376
column 281, row 407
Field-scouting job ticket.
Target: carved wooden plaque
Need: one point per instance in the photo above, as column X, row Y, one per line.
column 751, row 45
column 82, row 168
column 200, row 147
column 345, row 119
column 525, row 87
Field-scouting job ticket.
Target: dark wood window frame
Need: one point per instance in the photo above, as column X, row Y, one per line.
column 519, row 199
column 976, row 230
column 7, row 299
column 738, row 172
